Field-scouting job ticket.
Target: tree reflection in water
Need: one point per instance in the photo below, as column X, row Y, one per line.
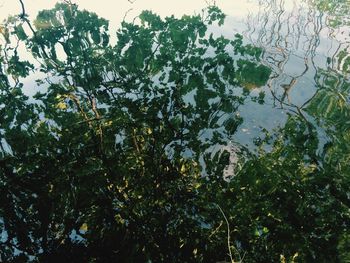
column 307, row 171
column 126, row 155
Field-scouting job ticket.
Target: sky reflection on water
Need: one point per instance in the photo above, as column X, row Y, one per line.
column 297, row 40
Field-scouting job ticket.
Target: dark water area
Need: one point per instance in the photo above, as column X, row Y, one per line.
column 189, row 138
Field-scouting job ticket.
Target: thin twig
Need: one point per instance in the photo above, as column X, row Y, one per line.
column 228, row 234
column 126, row 13
column 216, row 230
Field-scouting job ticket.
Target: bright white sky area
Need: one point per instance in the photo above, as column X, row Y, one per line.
column 115, row 10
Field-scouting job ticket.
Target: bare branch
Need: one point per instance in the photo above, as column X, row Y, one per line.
column 126, row 13
column 23, row 9
column 228, row 239
column 24, row 18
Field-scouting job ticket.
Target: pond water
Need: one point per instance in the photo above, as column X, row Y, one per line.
column 111, row 148
column 298, row 40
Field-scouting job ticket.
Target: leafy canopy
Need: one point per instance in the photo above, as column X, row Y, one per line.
column 122, row 152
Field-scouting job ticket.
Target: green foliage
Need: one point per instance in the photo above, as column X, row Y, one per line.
column 330, row 107
column 121, row 154
column 343, row 61
column 250, row 74
column 17, row 68
column 111, row 151
column 288, row 196
column 337, row 10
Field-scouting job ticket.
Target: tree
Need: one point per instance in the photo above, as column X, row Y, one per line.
column 107, row 161
column 124, row 152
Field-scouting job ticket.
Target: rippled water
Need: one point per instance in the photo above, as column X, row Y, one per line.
column 297, row 38
column 306, row 45
column 298, row 41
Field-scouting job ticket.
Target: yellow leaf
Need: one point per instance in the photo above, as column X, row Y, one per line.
column 119, row 219
column 61, row 105
column 83, row 227
column 183, row 168
column 108, row 123
column 295, row 256
column 50, row 188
